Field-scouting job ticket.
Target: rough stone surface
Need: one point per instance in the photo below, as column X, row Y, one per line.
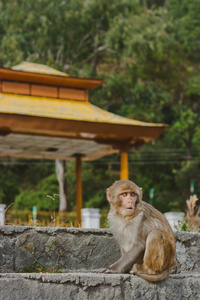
column 187, row 252
column 63, row 248
column 6, row 254
column 97, row 286
column 78, row 249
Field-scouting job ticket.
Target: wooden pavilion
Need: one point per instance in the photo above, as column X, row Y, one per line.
column 45, row 113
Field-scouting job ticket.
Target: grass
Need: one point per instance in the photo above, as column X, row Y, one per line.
column 192, row 216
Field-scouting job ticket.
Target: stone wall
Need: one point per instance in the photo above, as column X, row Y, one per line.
column 84, row 286
column 72, row 249
column 78, row 252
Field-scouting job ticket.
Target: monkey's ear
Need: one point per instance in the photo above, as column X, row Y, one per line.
column 109, row 198
column 140, row 193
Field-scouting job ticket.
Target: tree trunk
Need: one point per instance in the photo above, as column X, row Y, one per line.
column 60, row 170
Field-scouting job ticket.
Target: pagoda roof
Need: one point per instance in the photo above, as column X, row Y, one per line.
column 55, row 127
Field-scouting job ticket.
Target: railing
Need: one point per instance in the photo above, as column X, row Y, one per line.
column 46, row 219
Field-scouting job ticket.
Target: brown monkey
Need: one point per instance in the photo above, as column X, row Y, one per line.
column 146, row 240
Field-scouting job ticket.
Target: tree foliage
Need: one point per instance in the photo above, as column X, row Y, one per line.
column 148, row 54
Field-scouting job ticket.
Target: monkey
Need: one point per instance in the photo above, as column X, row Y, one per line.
column 146, row 240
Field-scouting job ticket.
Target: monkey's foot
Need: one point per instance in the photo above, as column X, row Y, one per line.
column 102, row 270
column 134, row 269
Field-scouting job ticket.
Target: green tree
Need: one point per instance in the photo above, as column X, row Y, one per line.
column 9, row 184
column 148, row 54
column 38, row 196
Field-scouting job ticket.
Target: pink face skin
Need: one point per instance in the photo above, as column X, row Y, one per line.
column 128, row 201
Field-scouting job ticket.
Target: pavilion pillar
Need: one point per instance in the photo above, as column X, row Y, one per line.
column 124, row 165
column 78, row 189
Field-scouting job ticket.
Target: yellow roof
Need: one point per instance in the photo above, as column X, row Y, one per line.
column 43, row 127
column 62, row 109
column 37, row 68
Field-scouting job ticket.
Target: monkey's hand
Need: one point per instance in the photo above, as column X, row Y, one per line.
column 106, row 271
column 125, row 263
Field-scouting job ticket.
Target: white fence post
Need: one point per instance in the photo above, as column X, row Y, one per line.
column 2, row 214
column 90, row 218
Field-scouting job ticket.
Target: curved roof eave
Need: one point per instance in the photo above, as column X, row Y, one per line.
column 44, row 107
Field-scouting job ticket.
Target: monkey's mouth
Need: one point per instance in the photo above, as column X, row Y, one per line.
column 130, row 208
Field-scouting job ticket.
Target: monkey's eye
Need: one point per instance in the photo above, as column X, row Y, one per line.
column 124, row 194
column 133, row 194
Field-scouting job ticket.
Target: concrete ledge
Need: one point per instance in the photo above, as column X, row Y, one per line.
column 64, row 248
column 92, row 286
column 74, row 249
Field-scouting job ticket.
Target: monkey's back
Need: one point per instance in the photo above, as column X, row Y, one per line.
column 154, row 219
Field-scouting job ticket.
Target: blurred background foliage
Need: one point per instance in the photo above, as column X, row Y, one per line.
column 148, row 53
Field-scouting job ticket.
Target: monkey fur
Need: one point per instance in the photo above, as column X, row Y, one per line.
column 146, row 240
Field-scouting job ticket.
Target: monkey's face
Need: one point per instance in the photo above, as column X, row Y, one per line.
column 124, row 197
column 127, row 202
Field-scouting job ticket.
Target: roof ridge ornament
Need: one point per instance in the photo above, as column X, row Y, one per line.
column 31, row 67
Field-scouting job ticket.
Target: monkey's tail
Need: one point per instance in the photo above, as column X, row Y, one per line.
column 157, row 277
